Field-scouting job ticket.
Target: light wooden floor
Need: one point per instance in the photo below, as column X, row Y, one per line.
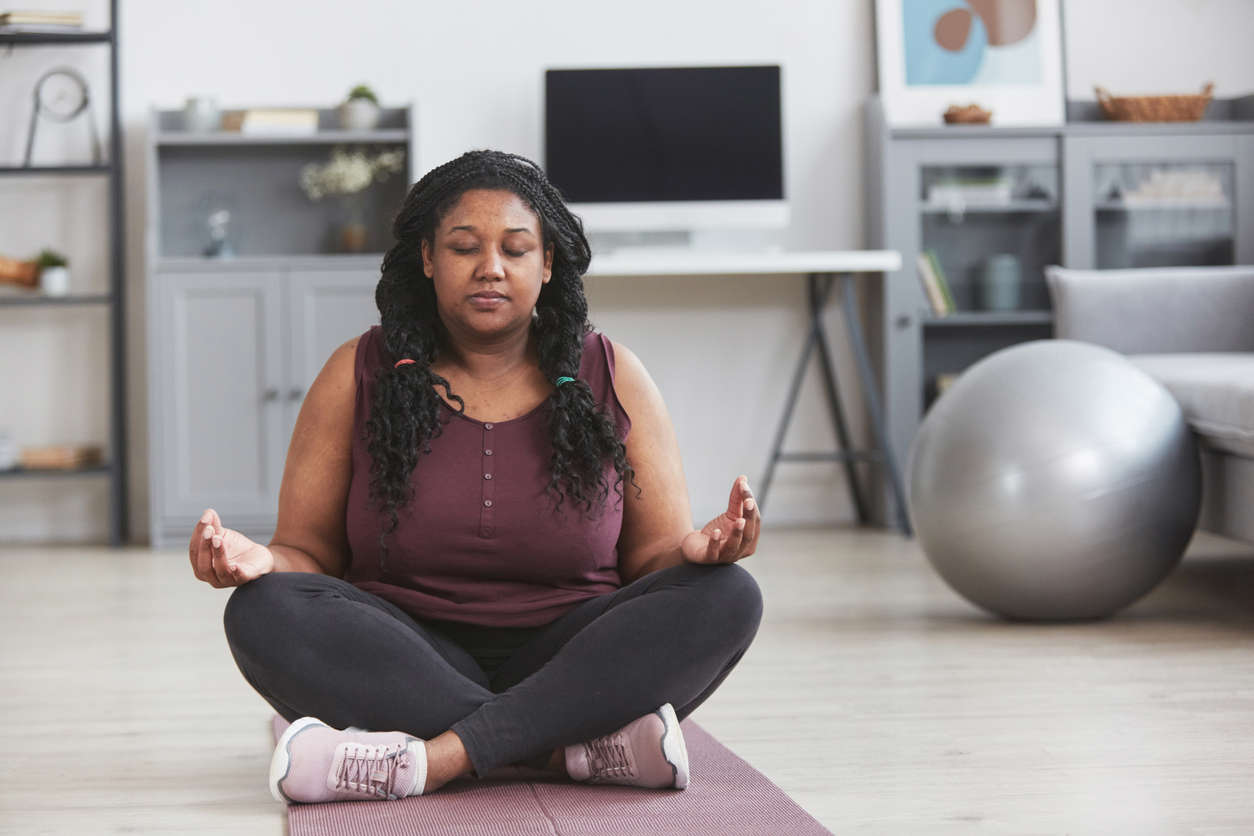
column 875, row 697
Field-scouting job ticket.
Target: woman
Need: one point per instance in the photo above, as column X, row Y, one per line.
column 484, row 543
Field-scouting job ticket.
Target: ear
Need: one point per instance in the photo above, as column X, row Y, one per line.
column 428, row 269
column 548, row 263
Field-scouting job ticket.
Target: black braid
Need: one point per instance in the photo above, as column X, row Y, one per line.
column 405, row 412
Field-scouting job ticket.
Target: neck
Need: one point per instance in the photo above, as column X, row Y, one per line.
column 488, row 359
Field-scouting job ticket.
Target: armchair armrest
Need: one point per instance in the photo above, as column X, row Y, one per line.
column 1155, row 310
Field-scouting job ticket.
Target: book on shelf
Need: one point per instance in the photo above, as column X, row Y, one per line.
column 942, row 280
column 931, row 288
column 935, row 285
column 61, row 456
column 944, row 381
column 25, row 18
column 272, row 121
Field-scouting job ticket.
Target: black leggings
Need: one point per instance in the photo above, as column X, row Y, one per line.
column 316, row 645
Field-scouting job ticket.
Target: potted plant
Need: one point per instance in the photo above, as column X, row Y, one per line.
column 360, row 111
column 347, row 175
column 54, row 273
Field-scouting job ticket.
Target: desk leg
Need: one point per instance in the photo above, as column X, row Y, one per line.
column 819, row 288
column 853, row 324
column 789, row 404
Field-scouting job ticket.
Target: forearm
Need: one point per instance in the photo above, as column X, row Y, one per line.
column 663, row 560
column 292, row 559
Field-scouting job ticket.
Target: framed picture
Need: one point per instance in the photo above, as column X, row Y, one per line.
column 1003, row 55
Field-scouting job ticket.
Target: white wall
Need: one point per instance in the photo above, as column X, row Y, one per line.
column 721, row 351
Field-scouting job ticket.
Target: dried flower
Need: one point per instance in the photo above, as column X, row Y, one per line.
column 348, row 173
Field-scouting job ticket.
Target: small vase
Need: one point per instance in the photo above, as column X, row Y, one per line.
column 54, row 281
column 353, row 228
column 353, row 237
column 359, row 115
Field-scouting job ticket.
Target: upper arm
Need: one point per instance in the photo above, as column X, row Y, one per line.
column 313, row 497
column 659, row 518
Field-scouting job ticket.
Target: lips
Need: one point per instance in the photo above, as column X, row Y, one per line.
column 488, row 295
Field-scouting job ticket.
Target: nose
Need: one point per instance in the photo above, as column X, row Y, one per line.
column 492, row 266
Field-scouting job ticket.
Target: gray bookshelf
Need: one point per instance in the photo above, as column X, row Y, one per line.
column 113, row 302
column 1081, row 194
column 235, row 342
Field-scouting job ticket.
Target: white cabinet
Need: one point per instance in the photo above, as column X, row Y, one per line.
column 235, row 351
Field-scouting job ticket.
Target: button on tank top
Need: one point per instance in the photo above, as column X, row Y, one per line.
column 480, row 543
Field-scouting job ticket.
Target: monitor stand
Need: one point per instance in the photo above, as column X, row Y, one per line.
column 636, row 241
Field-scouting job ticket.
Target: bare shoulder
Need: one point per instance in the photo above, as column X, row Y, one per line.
column 343, row 360
column 634, row 385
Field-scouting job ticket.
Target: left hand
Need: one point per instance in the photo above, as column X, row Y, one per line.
column 731, row 535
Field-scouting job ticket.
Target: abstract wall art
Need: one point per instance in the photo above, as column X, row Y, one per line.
column 1004, row 55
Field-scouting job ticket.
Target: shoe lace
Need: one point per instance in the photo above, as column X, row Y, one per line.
column 609, row 757
column 370, row 769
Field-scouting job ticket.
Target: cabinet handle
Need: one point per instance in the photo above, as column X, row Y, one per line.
column 271, row 394
column 903, row 321
column 295, row 394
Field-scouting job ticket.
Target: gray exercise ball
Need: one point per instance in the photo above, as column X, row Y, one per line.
column 1054, row 480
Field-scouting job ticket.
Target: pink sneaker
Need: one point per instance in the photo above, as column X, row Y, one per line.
column 314, row 762
column 647, row 752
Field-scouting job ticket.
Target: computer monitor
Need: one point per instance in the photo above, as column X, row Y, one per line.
column 667, row 148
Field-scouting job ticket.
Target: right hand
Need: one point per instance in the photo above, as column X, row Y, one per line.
column 223, row 557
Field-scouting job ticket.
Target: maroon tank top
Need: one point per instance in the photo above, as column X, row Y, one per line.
column 480, row 543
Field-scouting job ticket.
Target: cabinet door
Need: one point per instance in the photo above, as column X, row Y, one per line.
column 326, row 308
column 219, row 367
column 1157, row 201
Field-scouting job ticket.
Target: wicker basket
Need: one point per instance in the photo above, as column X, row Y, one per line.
column 1176, row 108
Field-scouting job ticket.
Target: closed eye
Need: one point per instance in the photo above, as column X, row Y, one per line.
column 472, row 250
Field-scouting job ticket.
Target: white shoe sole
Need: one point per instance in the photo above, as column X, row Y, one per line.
column 282, row 758
column 673, row 745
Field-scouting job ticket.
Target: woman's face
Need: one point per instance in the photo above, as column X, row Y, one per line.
column 487, row 263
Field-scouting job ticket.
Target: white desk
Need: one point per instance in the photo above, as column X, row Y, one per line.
column 821, row 268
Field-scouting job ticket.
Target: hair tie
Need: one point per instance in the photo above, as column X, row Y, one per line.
column 400, row 363
column 562, row 380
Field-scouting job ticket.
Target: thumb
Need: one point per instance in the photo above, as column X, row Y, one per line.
column 694, row 547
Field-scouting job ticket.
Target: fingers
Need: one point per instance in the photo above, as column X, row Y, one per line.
column 729, row 541
column 199, row 550
column 735, row 501
column 207, row 554
column 753, row 525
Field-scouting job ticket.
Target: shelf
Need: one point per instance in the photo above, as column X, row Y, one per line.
column 1014, row 206
column 41, row 299
column 989, row 318
column 218, row 139
column 21, row 472
column 46, row 170
column 8, row 37
column 1120, row 206
column 245, row 263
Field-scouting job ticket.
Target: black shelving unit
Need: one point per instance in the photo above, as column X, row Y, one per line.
column 115, row 467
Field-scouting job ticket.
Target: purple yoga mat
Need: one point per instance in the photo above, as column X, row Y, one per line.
column 725, row 796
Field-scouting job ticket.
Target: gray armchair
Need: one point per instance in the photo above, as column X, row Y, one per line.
column 1191, row 328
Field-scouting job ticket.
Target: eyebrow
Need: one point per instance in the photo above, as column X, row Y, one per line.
column 471, row 228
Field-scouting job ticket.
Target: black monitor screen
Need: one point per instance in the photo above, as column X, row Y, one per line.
column 691, row 133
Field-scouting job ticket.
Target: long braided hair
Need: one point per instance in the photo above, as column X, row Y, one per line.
column 405, row 407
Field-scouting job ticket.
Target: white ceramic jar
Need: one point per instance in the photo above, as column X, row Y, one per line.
column 201, row 114
column 359, row 115
column 54, row 281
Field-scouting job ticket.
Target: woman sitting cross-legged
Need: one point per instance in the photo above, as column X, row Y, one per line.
column 485, row 561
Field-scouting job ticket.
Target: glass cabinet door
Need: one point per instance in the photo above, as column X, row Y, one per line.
column 986, row 232
column 1163, row 214
column 989, row 231
column 1156, row 199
